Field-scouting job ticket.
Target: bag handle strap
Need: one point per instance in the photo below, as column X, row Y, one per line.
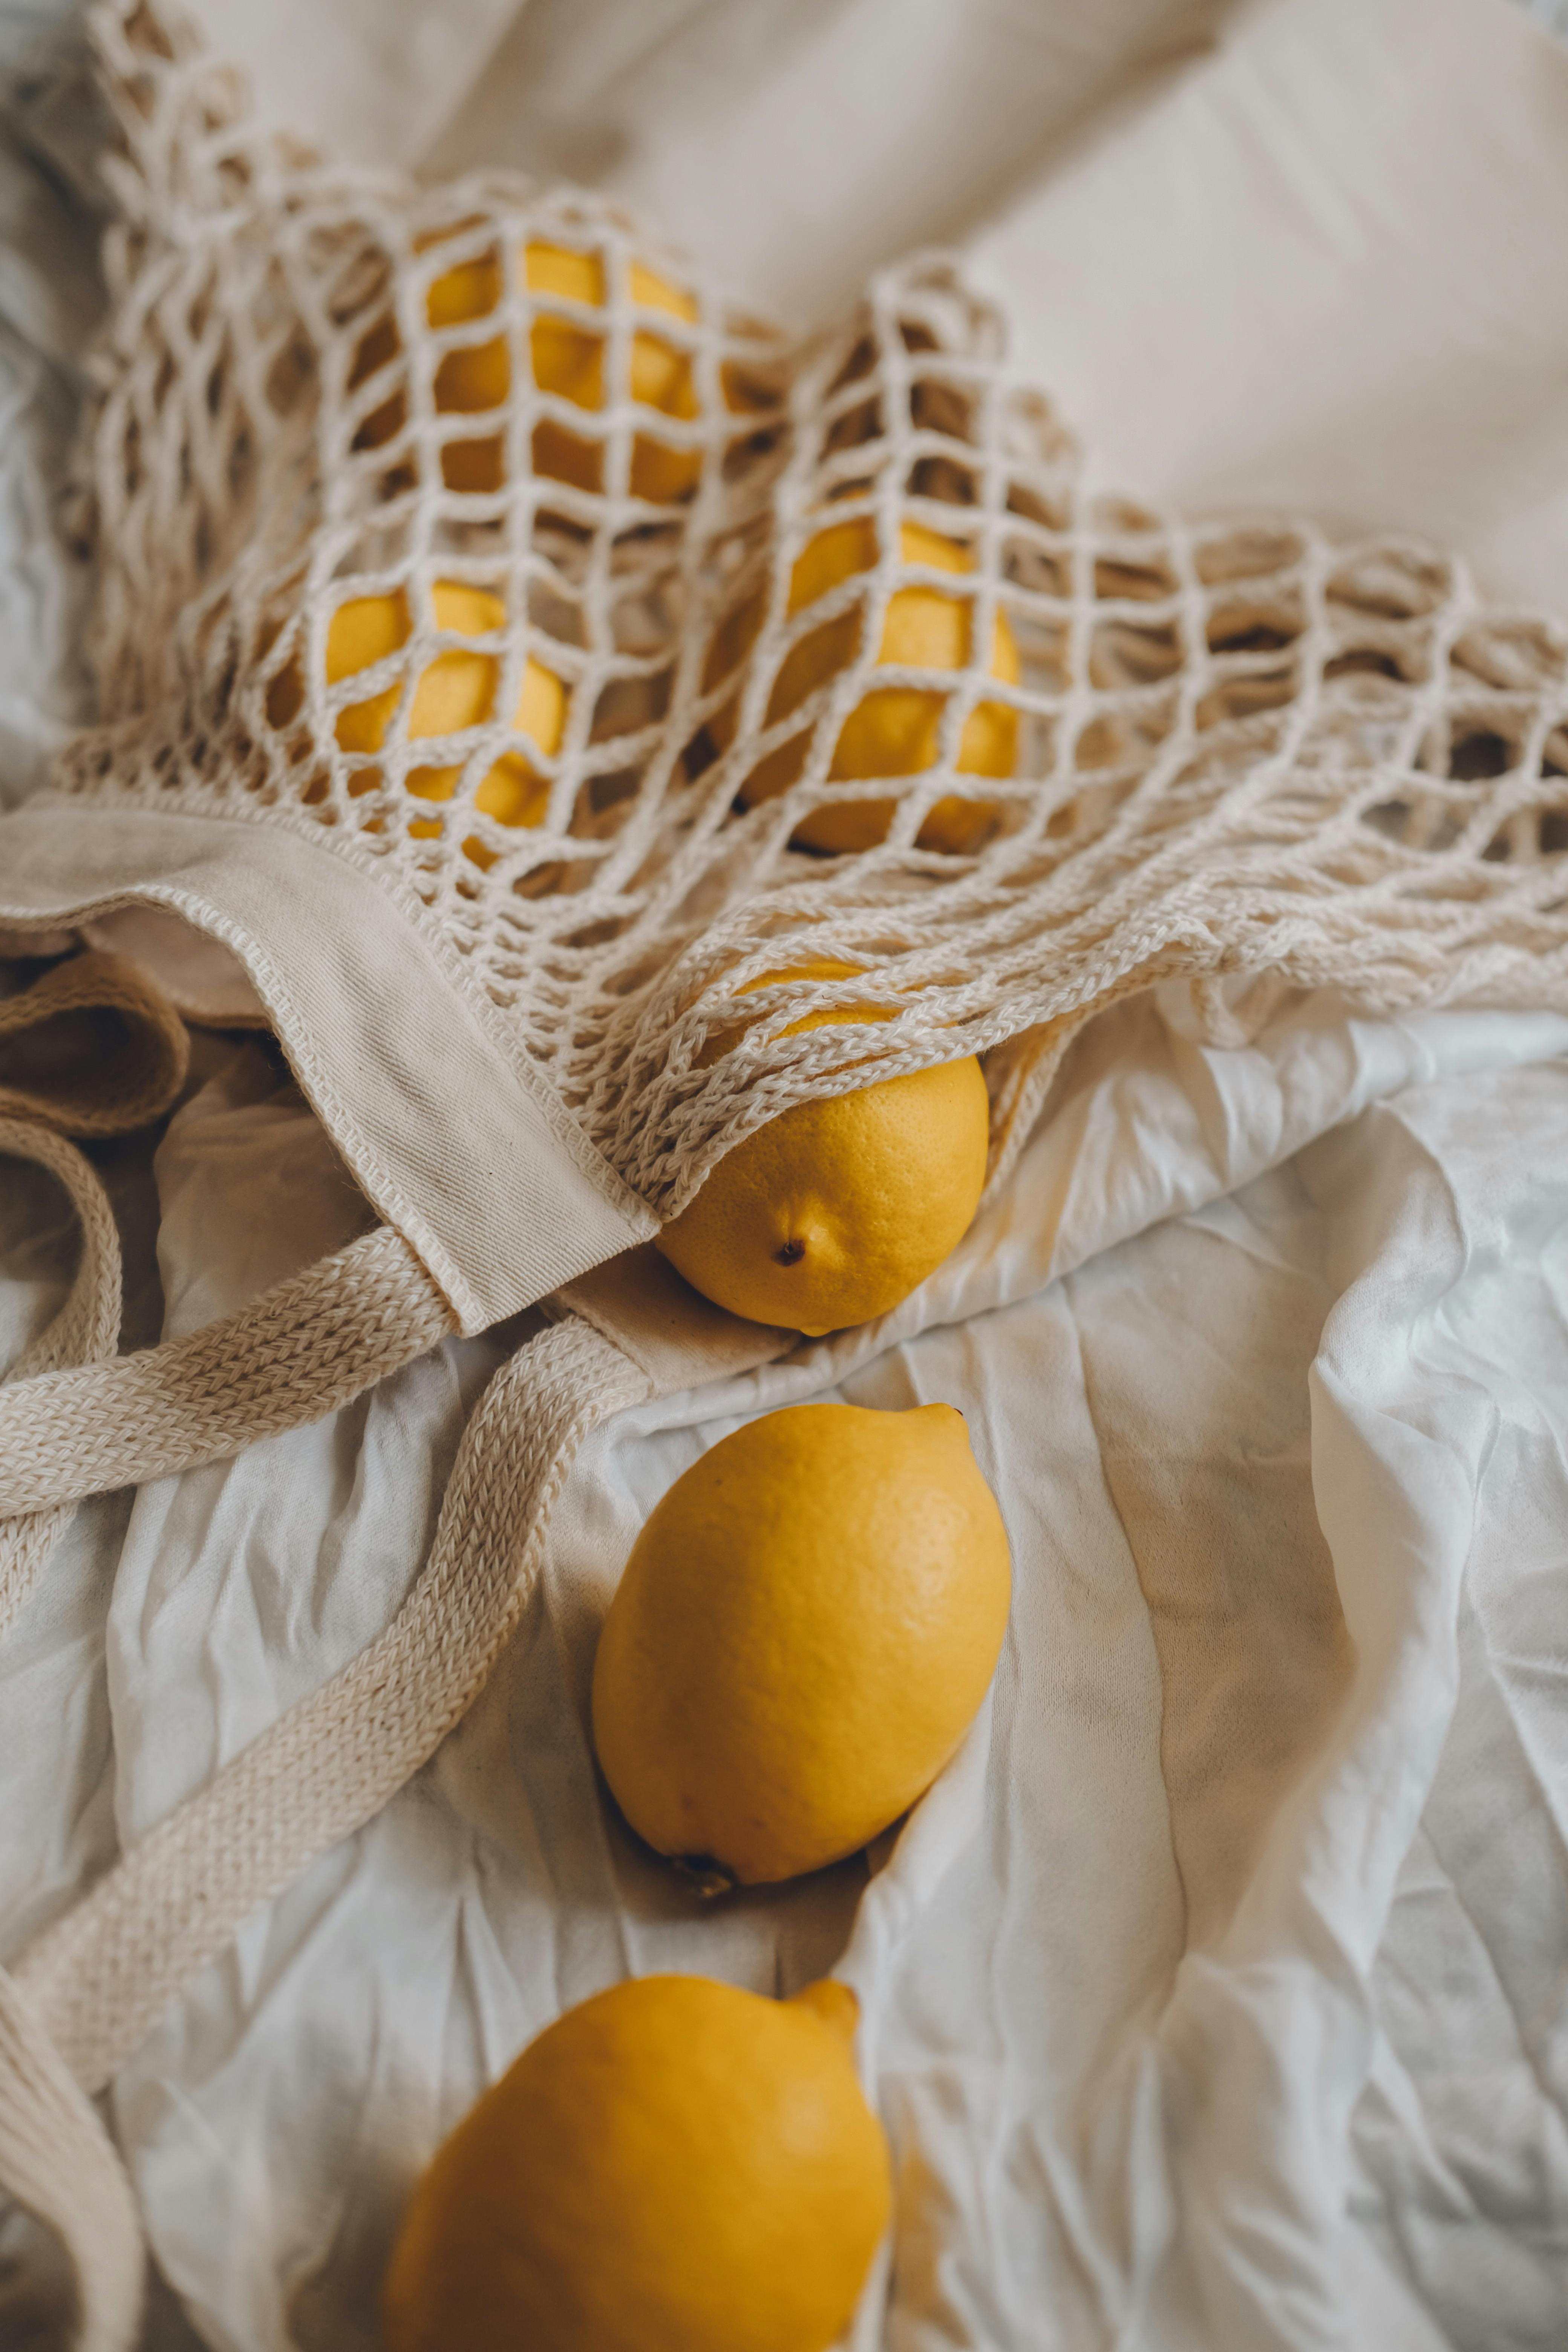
column 60, row 1075
column 94, row 1983
column 300, row 1350
column 76, row 1080
column 85, row 1330
column 57, row 2160
column 75, row 1418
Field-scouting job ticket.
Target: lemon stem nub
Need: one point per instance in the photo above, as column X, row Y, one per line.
column 792, row 1252
column 700, row 1875
column 834, row 2003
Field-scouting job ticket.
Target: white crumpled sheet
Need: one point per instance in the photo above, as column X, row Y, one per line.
column 1216, row 1995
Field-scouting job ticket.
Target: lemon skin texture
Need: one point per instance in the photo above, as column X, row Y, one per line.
column 789, row 1231
column 836, row 1210
column 805, row 1630
column 675, row 2165
column 891, row 732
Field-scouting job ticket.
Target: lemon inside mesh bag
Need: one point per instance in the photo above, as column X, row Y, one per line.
column 893, row 731
column 454, row 691
column 567, row 357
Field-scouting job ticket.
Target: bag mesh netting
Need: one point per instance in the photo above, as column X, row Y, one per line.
column 644, row 650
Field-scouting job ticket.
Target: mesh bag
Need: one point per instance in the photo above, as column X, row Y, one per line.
column 509, row 648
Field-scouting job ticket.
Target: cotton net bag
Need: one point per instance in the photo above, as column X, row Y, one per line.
column 493, row 622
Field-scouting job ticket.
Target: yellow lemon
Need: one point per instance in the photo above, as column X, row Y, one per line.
column 836, row 1210
column 568, row 360
column 804, row 1632
column 675, row 2165
column 454, row 691
column 891, row 732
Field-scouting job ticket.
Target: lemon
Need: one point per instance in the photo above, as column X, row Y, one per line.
column 675, row 2165
column 454, row 691
column 804, row 1632
column 891, row 732
column 569, row 360
column 836, row 1210
column 566, row 357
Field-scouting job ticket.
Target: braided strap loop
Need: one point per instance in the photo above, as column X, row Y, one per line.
column 301, row 1349
column 102, row 1975
column 85, row 1331
column 57, row 2159
column 108, row 1090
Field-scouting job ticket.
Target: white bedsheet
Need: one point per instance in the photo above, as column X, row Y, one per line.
column 1218, row 1995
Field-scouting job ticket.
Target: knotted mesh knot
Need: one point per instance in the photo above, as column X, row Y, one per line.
column 648, row 653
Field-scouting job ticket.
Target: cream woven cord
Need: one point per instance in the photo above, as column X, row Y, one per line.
column 86, row 1992
column 299, row 1351
column 119, row 1090
column 114, row 1093
column 102, row 1975
column 85, row 1331
column 57, row 2159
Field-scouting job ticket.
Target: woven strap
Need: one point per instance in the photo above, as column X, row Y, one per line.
column 119, row 1082
column 48, row 1090
column 85, row 1330
column 300, row 1350
column 89, row 1990
column 102, row 1975
column 57, row 2159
